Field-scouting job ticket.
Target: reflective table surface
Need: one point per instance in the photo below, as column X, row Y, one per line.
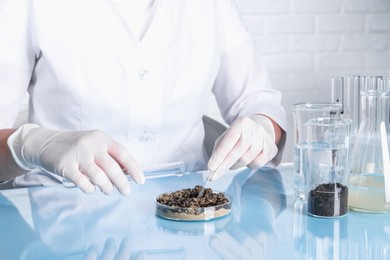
column 266, row 222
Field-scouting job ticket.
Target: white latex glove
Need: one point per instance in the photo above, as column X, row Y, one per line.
column 83, row 157
column 249, row 141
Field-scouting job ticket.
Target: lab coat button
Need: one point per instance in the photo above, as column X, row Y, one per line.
column 144, row 137
column 143, row 74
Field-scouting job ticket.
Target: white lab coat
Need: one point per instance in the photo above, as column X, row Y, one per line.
column 84, row 68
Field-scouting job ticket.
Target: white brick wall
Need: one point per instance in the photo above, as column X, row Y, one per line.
column 307, row 42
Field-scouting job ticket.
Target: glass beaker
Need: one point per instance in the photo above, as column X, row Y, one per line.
column 302, row 114
column 367, row 179
column 328, row 166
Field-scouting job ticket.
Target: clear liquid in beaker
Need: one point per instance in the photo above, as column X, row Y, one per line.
column 300, row 164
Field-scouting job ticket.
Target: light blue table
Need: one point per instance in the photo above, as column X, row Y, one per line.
column 59, row 223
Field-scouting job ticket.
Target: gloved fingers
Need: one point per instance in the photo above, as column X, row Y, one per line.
column 253, row 151
column 224, row 146
column 232, row 157
column 240, row 148
column 74, row 175
column 258, row 162
column 97, row 176
column 113, row 172
column 127, row 162
column 269, row 152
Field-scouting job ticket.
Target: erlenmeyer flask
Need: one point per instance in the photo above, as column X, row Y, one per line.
column 367, row 179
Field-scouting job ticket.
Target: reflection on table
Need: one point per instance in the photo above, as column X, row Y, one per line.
column 355, row 236
column 58, row 223
column 266, row 223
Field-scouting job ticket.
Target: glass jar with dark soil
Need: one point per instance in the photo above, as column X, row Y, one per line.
column 328, row 167
column 328, row 200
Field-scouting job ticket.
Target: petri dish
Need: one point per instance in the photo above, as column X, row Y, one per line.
column 195, row 228
column 193, row 213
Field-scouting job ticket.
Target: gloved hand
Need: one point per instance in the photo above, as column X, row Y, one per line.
column 249, row 141
column 83, row 157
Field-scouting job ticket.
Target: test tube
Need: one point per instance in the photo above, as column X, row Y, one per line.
column 347, row 92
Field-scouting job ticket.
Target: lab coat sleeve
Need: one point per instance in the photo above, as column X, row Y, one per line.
column 16, row 58
column 242, row 86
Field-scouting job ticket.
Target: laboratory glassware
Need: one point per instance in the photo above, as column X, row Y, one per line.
column 346, row 90
column 369, row 173
column 327, row 162
column 302, row 114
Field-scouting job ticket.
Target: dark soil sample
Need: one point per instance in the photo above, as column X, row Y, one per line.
column 328, row 200
column 188, row 198
column 186, row 206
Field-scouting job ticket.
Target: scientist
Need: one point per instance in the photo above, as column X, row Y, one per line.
column 116, row 84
